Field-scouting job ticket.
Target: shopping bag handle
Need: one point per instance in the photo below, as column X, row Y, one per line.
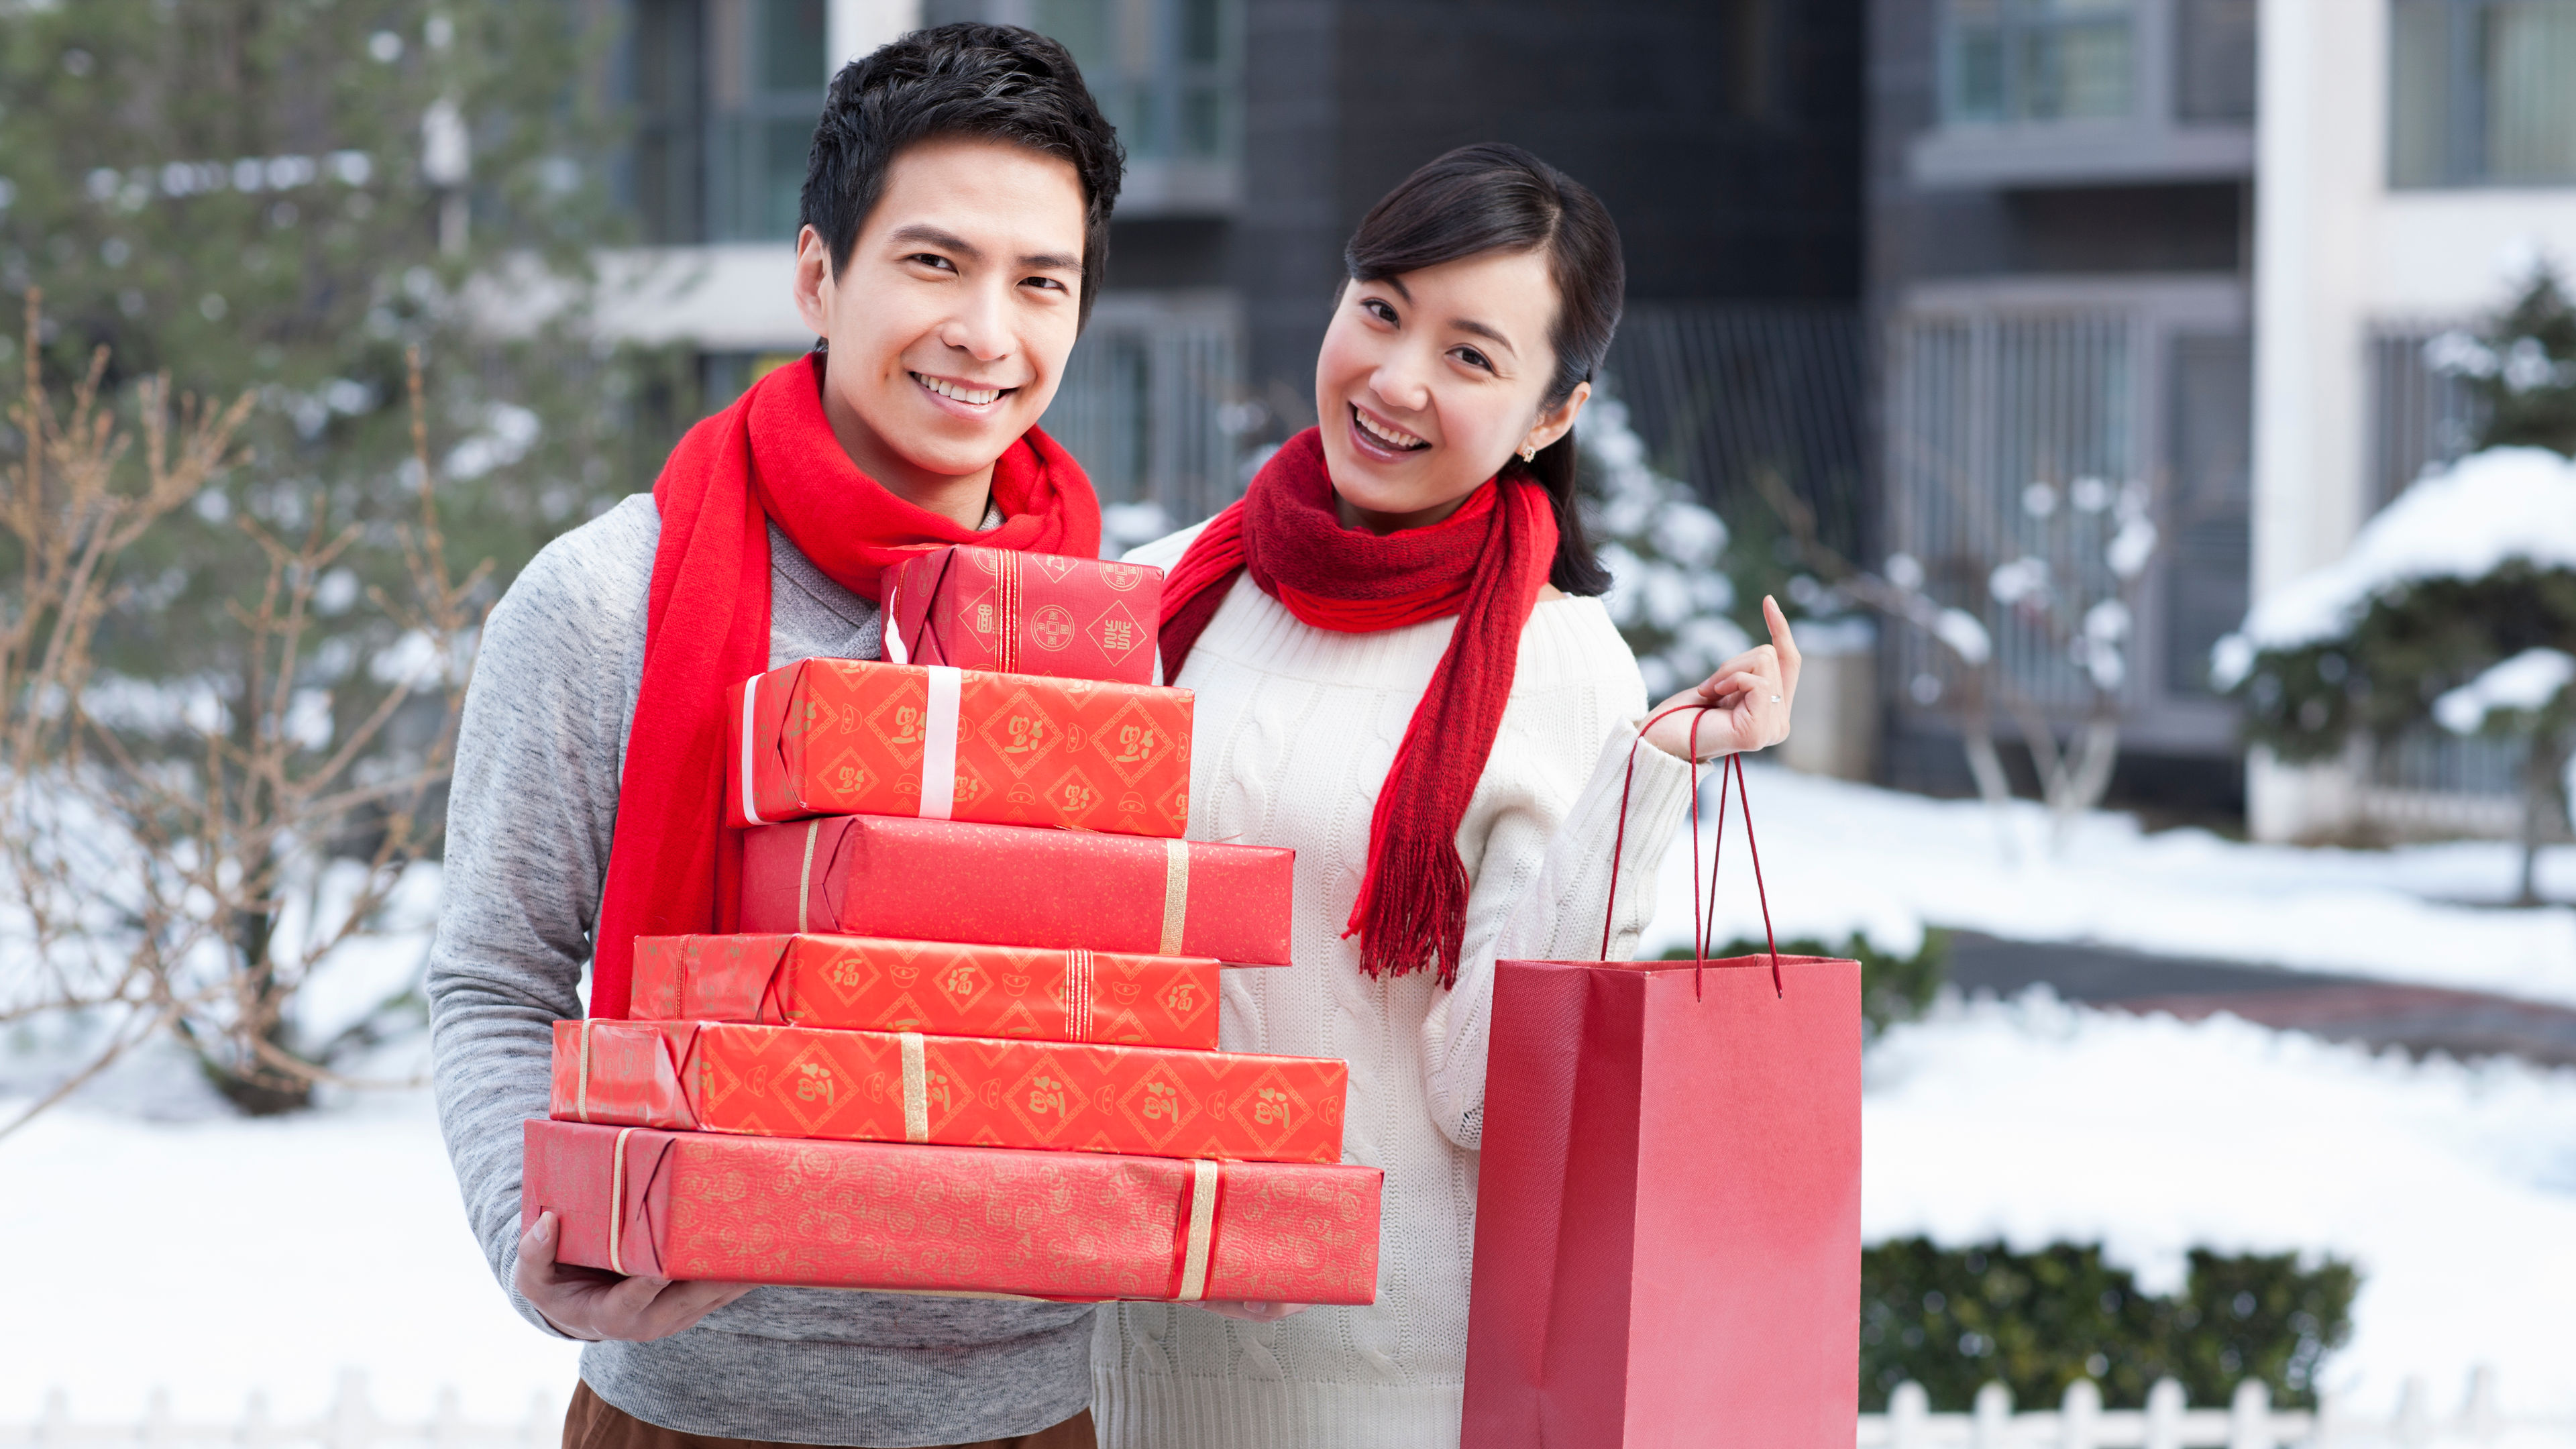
column 1703, row 926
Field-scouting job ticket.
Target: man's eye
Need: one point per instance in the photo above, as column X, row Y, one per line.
column 931, row 259
column 1043, row 282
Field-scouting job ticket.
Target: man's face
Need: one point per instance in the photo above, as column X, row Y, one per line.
column 950, row 323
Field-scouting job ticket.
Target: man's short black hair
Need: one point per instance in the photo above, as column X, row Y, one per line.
column 993, row 82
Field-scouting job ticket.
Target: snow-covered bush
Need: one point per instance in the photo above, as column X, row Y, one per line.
column 2450, row 603
column 1663, row 547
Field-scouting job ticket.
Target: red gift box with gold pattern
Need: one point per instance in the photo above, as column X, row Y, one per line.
column 960, row 1091
column 961, row 1220
column 945, row 988
column 1024, row 613
column 1008, row 885
column 849, row 737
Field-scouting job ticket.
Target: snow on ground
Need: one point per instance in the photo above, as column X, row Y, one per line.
column 2453, row 1187
column 216, row 1255
column 1840, row 858
column 212, row 1256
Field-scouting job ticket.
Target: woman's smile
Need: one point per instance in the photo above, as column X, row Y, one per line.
column 1376, row 438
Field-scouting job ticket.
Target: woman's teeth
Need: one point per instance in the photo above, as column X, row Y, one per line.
column 1391, row 436
column 975, row 395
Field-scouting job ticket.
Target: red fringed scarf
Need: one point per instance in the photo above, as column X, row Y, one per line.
column 771, row 456
column 1485, row 563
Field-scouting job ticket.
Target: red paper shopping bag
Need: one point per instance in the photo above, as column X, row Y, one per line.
column 1668, row 1207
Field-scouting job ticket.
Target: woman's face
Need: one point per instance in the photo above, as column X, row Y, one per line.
column 1429, row 382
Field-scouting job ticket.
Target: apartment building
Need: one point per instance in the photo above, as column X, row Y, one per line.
column 2417, row 157
column 1723, row 134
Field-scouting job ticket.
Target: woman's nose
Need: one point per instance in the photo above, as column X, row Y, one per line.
column 1399, row 381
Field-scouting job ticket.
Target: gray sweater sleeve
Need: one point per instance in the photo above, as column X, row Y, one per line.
column 529, row 822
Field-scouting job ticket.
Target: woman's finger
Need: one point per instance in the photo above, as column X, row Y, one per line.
column 1783, row 643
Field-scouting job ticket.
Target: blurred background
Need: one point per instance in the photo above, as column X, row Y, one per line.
column 2155, row 413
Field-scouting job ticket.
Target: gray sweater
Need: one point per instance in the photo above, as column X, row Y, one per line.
column 529, row 821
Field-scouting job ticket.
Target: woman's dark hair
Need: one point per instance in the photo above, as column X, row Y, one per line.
column 991, row 82
column 1498, row 198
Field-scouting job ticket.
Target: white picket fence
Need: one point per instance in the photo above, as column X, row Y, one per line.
column 2167, row 1422
column 2079, row 1422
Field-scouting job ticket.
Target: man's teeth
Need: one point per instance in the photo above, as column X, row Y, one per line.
column 976, row 395
column 1395, row 437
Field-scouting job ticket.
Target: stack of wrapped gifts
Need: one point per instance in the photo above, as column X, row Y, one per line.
column 967, row 1041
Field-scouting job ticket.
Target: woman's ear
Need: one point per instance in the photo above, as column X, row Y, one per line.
column 1557, row 421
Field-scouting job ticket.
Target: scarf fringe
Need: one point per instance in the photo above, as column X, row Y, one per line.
column 1418, row 920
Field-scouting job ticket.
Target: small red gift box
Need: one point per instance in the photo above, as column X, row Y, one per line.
column 848, row 737
column 1024, row 613
column 964, row 1220
column 1007, row 885
column 944, row 988
column 961, row 1091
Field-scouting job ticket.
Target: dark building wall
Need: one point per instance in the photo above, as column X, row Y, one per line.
column 1724, row 135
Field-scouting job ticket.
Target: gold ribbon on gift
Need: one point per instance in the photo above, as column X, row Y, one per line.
column 1201, row 1234
column 1077, row 994
column 1009, row 597
column 581, row 1079
column 1176, row 893
column 916, row 1087
column 617, row 1204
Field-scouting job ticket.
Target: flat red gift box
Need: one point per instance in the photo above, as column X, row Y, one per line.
column 1024, row 613
column 1008, row 885
column 960, row 1091
column 945, row 988
column 959, row 1220
column 850, row 737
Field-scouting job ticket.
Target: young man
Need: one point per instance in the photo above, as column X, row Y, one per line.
column 956, row 214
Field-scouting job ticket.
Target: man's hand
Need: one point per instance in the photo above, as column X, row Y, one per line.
column 590, row 1304
column 1746, row 701
column 1254, row 1312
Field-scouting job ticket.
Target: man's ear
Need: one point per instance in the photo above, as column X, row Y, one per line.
column 814, row 282
column 1557, row 421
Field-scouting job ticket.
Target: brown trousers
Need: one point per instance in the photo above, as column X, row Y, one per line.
column 594, row 1423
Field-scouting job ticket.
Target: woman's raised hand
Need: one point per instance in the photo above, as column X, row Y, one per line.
column 1746, row 701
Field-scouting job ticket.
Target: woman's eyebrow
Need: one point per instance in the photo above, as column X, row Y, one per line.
column 1491, row 334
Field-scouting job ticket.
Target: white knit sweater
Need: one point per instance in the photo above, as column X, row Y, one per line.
column 1295, row 729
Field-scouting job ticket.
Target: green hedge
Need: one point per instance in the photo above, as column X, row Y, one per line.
column 1954, row 1319
column 1892, row 987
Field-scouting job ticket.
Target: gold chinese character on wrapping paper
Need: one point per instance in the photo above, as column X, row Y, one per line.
column 814, row 1083
column 1270, row 1107
column 1046, row 1094
column 1162, row 1103
column 1182, row 999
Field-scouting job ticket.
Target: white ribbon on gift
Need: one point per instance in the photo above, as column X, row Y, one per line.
column 1202, row 1230
column 916, row 1087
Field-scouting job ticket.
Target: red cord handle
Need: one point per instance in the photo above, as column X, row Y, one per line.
column 1703, row 926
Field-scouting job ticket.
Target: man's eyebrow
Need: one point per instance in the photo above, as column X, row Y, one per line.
column 1051, row 262
column 928, row 235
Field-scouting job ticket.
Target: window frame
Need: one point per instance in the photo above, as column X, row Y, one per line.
column 2467, row 109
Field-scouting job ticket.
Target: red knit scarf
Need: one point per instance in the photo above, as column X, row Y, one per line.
column 1484, row 563
column 772, row 456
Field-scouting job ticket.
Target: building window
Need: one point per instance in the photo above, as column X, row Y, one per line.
column 1167, row 74
column 768, row 63
column 2479, row 93
column 2039, row 60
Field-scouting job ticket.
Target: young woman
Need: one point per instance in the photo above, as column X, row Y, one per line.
column 1403, row 673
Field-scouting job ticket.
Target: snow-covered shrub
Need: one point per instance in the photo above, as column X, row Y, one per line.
column 1956, row 1319
column 2444, row 611
column 1668, row 594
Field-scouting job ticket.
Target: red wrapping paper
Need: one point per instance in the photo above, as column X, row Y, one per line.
column 966, row 1220
column 849, row 737
column 944, row 988
column 870, row 1086
column 1004, row 885
column 1024, row 613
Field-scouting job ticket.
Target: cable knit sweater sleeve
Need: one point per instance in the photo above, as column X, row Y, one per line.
column 1543, row 887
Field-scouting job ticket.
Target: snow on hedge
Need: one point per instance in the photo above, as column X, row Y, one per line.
column 2462, row 522
column 2524, row 684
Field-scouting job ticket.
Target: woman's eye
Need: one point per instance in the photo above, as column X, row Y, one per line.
column 1380, row 311
column 1472, row 358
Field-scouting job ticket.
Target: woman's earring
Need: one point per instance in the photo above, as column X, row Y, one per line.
column 1529, row 452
